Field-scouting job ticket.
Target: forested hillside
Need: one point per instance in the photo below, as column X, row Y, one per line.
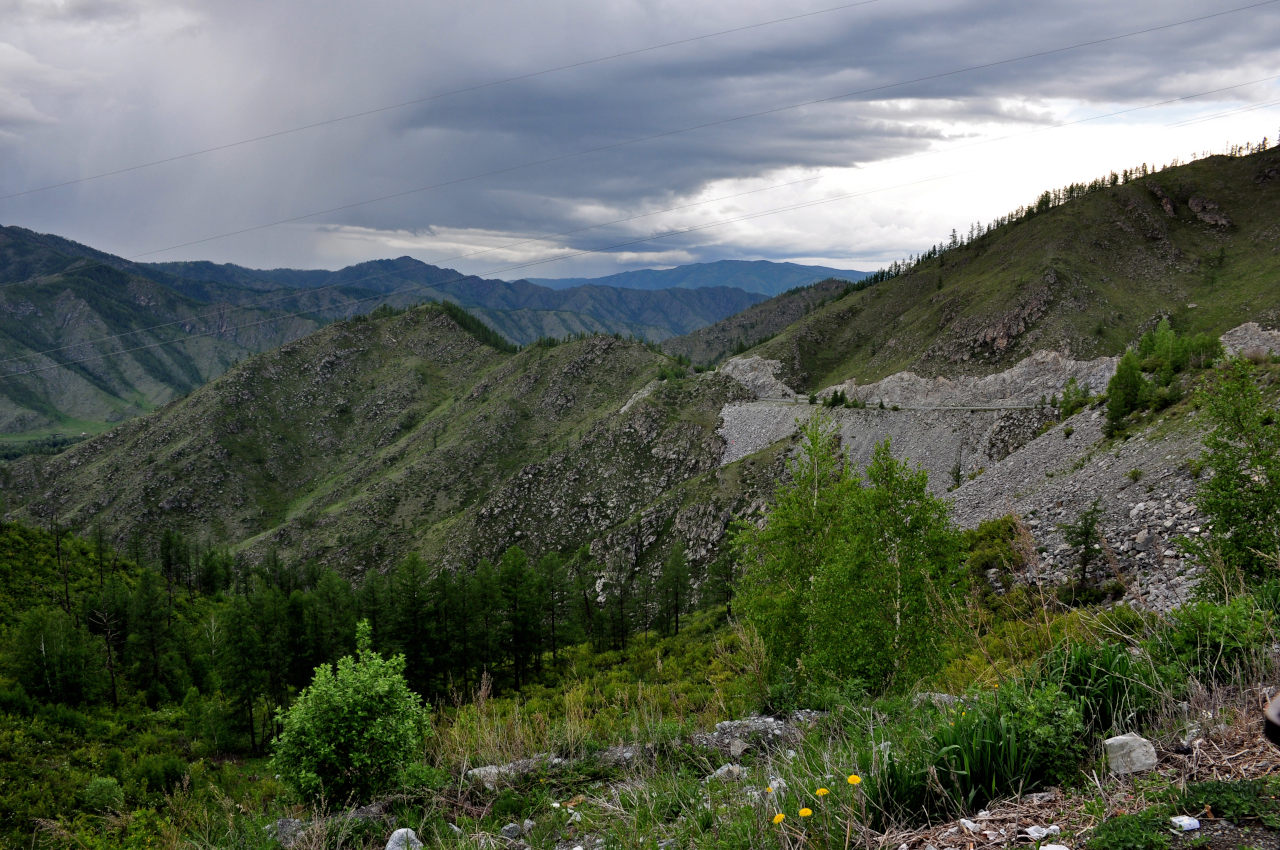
column 1085, row 269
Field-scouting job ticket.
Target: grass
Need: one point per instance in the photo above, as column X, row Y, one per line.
column 1093, row 263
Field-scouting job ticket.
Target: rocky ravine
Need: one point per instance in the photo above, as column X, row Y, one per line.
column 989, row 434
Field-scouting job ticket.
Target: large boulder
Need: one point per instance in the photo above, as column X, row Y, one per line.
column 1130, row 753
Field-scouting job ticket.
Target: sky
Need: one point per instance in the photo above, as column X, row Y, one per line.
column 569, row 138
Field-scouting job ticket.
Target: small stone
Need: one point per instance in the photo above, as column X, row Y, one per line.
column 527, row 826
column 1184, row 823
column 511, row 831
column 403, row 839
column 737, row 747
column 1129, row 753
column 968, row 825
column 728, row 773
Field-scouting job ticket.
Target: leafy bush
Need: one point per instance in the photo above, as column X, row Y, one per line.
column 1074, row 398
column 1245, row 800
column 847, row 581
column 1048, row 723
column 1114, row 688
column 102, row 794
column 351, row 732
column 1215, row 643
column 1242, row 496
column 158, row 774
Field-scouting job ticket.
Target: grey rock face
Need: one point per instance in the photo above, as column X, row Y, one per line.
column 758, row 375
column 1130, row 753
column 287, row 831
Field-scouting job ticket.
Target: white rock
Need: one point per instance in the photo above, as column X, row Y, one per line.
column 403, row 839
column 1039, row 832
column 1129, row 753
column 1184, row 823
column 728, row 773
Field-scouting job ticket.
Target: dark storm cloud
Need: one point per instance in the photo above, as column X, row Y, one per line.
column 164, row 78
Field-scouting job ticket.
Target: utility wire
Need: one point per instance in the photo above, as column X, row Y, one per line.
column 706, row 125
column 1227, row 114
column 374, row 276
column 438, row 96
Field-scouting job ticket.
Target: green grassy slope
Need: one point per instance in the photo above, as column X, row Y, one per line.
column 87, row 344
column 381, row 436
column 1087, row 277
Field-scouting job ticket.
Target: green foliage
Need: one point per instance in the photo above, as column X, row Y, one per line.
column 1239, row 802
column 1114, row 688
column 1073, row 400
column 1163, row 354
column 102, row 794
column 1083, row 536
column 1215, row 643
column 1147, row 830
column 1125, row 392
column 990, row 546
column 846, row 581
column 351, row 732
column 1242, row 450
column 478, row 329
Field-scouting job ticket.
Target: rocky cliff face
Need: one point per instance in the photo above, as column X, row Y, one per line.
column 992, row 449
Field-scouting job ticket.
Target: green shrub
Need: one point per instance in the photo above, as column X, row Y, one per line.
column 1114, row 688
column 1215, row 643
column 846, row 581
column 353, row 730
column 1246, row 800
column 1146, row 830
column 1074, row 398
column 102, row 794
column 1049, row 725
column 158, row 774
column 1242, row 495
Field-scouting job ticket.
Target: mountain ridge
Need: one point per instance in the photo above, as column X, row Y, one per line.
column 767, row 277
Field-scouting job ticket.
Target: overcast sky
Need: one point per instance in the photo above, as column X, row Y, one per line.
column 501, row 160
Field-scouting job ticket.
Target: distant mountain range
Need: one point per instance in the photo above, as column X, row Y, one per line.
column 763, row 276
column 88, row 339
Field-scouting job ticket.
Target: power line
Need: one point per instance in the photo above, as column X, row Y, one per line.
column 438, row 96
column 704, row 125
column 375, row 276
column 1227, row 114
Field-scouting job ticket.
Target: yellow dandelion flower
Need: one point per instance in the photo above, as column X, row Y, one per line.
column 854, row 779
column 804, row 813
column 822, row 792
column 768, row 789
column 779, row 817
